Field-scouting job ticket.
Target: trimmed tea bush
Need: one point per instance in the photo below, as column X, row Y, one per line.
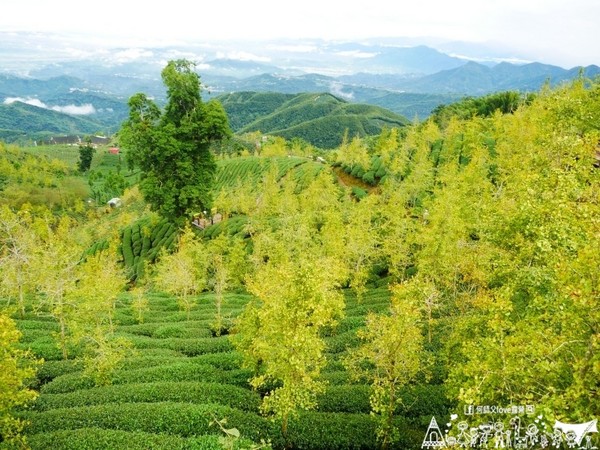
column 188, row 392
column 102, row 439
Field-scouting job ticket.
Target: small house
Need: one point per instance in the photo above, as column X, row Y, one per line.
column 113, row 150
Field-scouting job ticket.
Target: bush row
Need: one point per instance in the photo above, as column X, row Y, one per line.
column 341, row 342
column 345, row 398
column 320, row 431
column 415, row 401
column 182, row 419
column 52, row 369
column 37, row 324
column 183, row 371
column 102, row 439
column 189, row 347
column 188, row 392
column 169, row 330
column 142, row 242
column 310, row 430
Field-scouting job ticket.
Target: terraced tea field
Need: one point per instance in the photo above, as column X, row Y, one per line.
column 180, row 380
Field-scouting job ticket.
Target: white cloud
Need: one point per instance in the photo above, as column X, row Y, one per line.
column 299, row 48
column 356, row 54
column 29, row 100
column 242, row 56
column 551, row 30
column 75, row 110
column 337, row 89
column 131, row 54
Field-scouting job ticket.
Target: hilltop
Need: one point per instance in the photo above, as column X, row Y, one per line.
column 319, row 119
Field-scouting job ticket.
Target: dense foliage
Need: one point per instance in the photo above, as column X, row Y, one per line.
column 172, row 147
column 449, row 264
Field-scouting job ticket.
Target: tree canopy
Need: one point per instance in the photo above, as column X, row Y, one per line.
column 172, row 147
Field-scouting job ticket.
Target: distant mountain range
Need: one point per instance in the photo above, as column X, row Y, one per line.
column 409, row 81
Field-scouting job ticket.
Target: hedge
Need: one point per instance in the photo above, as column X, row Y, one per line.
column 342, row 341
column 187, row 346
column 310, row 430
column 416, row 401
column 345, row 398
column 182, row 419
column 53, row 369
column 185, row 392
column 325, row 431
column 102, row 439
column 183, row 371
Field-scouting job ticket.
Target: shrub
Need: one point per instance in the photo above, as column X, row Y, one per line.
column 102, row 439
column 425, row 401
column 359, row 193
column 183, row 419
column 189, row 392
column 189, row 347
column 369, row 177
column 170, row 331
column 341, row 342
column 52, row 369
column 182, row 371
column 345, row 398
column 336, row 377
column 315, row 430
column 225, row 361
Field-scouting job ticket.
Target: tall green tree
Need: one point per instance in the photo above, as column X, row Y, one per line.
column 86, row 154
column 173, row 147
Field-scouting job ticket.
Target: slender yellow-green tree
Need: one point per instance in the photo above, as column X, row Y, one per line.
column 227, row 261
column 16, row 367
column 18, row 243
column 279, row 332
column 530, row 334
column 184, row 272
column 100, row 280
column 362, row 241
column 390, row 357
column 56, row 268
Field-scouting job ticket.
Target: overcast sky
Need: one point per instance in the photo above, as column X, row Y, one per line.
column 563, row 32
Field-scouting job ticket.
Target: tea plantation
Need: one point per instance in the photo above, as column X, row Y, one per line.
column 180, row 380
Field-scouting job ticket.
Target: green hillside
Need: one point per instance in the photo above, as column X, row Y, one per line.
column 320, row 119
column 297, row 314
column 19, row 120
column 243, row 108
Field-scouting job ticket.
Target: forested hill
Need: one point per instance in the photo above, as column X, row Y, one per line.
column 320, row 119
column 20, row 119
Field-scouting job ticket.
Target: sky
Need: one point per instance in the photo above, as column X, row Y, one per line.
column 561, row 32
